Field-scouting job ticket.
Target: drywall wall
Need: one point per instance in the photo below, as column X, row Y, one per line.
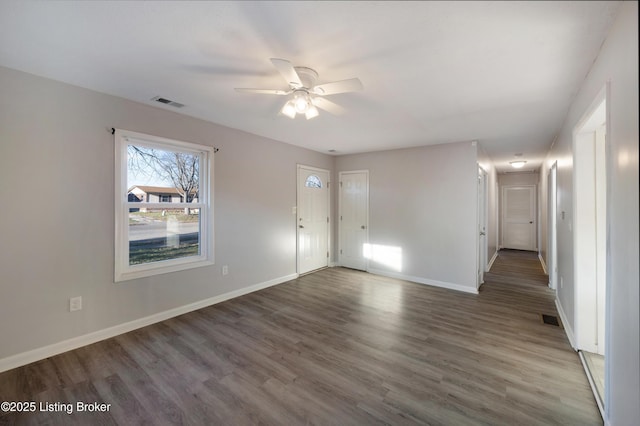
column 57, row 227
column 617, row 63
column 423, row 202
column 518, row 178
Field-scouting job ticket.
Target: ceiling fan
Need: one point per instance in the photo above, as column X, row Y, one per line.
column 307, row 96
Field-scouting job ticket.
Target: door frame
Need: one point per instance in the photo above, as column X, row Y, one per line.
column 585, row 238
column 586, row 330
column 299, row 167
column 340, row 233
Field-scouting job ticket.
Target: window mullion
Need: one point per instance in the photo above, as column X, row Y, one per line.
column 163, row 206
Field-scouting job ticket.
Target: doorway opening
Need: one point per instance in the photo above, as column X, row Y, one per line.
column 590, row 243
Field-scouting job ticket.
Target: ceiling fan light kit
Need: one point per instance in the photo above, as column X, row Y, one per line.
column 307, row 96
column 312, row 112
column 301, row 101
column 289, row 109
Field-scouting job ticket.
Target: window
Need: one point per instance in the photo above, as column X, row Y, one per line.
column 313, row 181
column 156, row 230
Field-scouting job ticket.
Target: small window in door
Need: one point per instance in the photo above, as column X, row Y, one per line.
column 313, row 181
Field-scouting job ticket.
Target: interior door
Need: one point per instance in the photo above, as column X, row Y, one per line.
column 482, row 225
column 552, row 250
column 518, row 217
column 313, row 219
column 354, row 218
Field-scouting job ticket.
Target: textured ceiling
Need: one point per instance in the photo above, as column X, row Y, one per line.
column 502, row 73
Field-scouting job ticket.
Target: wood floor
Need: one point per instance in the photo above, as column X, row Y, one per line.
column 337, row 347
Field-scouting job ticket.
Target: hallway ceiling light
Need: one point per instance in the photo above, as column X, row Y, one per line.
column 518, row 164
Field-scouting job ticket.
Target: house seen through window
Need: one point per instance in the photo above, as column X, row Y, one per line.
column 163, row 199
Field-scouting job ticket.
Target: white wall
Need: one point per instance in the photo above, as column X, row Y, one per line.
column 57, row 227
column 518, row 178
column 424, row 200
column 617, row 62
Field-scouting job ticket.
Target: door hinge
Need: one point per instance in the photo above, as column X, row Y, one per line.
column 327, row 219
column 340, row 251
column 327, row 255
column 340, row 184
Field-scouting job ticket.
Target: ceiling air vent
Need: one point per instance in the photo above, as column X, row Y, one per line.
column 167, row 102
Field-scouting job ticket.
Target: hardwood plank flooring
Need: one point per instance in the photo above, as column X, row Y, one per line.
column 334, row 347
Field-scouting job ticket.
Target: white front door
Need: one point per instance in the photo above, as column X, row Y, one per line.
column 313, row 219
column 519, row 217
column 354, row 218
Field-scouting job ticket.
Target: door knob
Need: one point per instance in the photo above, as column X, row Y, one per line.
column 301, row 226
column 482, row 233
column 531, row 221
column 363, row 227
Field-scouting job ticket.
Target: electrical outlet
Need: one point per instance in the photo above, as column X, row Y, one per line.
column 75, row 303
column 225, row 270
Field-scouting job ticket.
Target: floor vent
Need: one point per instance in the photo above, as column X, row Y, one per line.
column 551, row 320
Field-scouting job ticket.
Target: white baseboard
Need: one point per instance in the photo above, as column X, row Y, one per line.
column 544, row 265
column 493, row 259
column 421, row 280
column 566, row 324
column 38, row 354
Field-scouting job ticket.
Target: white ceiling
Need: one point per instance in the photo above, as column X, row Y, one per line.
column 503, row 73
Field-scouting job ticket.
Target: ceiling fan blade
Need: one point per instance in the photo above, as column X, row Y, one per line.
column 343, row 86
column 263, row 91
column 328, row 106
column 288, row 72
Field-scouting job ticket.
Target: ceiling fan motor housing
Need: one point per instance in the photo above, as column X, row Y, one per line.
column 308, row 76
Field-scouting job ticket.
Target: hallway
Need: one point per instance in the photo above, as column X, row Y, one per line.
column 518, row 281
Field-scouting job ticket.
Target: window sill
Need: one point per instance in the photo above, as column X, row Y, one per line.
column 148, row 270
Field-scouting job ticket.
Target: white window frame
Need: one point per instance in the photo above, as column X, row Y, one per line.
column 123, row 270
